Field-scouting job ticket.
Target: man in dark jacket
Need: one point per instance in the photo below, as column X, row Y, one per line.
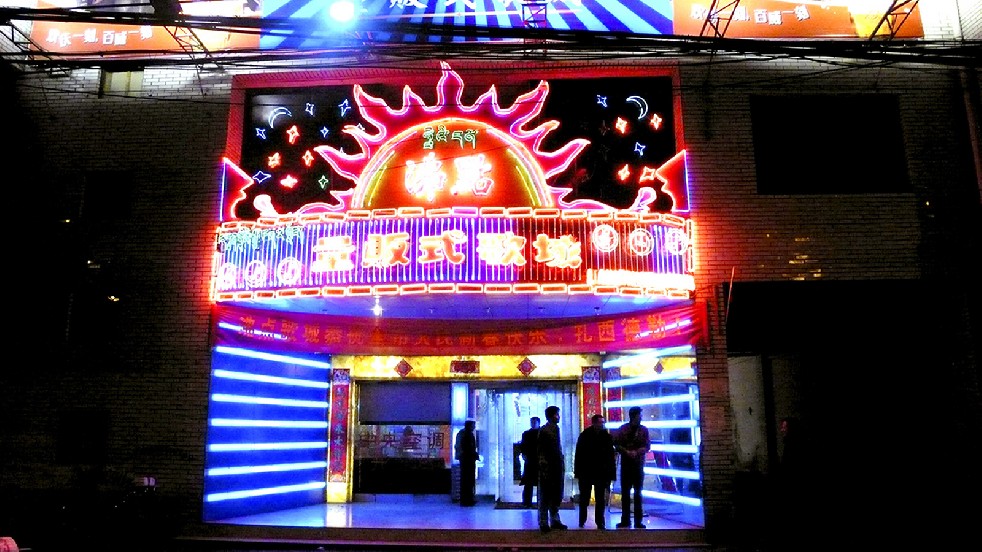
column 530, row 459
column 552, row 472
column 594, row 467
column 466, row 452
column 633, row 443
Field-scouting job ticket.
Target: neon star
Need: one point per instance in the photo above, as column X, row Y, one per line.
column 292, row 134
column 261, row 177
column 639, row 148
column 308, row 158
column 647, row 174
column 345, row 107
column 621, row 125
column 261, row 132
column 274, row 161
column 325, row 131
column 288, row 181
column 309, row 108
column 602, row 100
column 624, row 173
column 656, row 121
column 324, row 182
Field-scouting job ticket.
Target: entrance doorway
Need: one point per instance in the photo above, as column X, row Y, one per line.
column 503, row 410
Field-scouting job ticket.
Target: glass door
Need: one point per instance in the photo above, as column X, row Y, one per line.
column 504, row 412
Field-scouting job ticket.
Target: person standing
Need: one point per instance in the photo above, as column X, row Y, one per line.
column 632, row 442
column 530, row 460
column 552, row 470
column 466, row 452
column 594, row 467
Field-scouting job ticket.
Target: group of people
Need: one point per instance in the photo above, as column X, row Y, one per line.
column 594, row 466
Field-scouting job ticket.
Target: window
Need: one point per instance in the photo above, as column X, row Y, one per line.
column 120, row 83
column 828, row 144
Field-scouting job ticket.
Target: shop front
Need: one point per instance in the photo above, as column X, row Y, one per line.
column 384, row 273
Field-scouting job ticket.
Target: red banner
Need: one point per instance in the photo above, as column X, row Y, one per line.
column 286, row 331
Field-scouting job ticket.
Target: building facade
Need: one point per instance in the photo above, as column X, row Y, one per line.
column 833, row 207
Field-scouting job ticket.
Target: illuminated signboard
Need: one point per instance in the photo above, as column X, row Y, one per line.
column 745, row 19
column 375, row 20
column 80, row 38
column 800, row 19
column 369, row 189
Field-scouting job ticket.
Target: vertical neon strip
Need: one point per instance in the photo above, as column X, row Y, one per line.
column 221, row 192
column 340, row 407
column 591, row 394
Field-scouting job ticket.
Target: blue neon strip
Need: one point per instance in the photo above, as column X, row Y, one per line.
column 681, row 474
column 665, row 376
column 269, row 468
column 230, row 422
column 672, row 498
column 236, row 351
column 221, row 397
column 684, row 449
column 217, row 497
column 245, row 376
column 238, row 447
column 666, row 424
column 647, row 355
column 666, row 399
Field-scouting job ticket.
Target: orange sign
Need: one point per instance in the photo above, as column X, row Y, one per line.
column 797, row 19
column 85, row 38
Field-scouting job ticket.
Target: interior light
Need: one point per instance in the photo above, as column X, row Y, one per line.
column 377, row 309
column 458, row 391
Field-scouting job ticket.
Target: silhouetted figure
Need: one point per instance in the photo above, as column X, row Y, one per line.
column 552, row 470
column 530, row 458
column 594, row 465
column 466, row 453
column 632, row 442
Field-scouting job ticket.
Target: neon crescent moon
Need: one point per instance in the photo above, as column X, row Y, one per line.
column 276, row 112
column 641, row 103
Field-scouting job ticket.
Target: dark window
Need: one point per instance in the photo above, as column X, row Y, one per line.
column 828, row 144
column 404, row 403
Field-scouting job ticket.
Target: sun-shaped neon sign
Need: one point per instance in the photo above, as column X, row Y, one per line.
column 449, row 153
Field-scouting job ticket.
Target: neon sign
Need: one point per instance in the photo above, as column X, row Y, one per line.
column 454, row 195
